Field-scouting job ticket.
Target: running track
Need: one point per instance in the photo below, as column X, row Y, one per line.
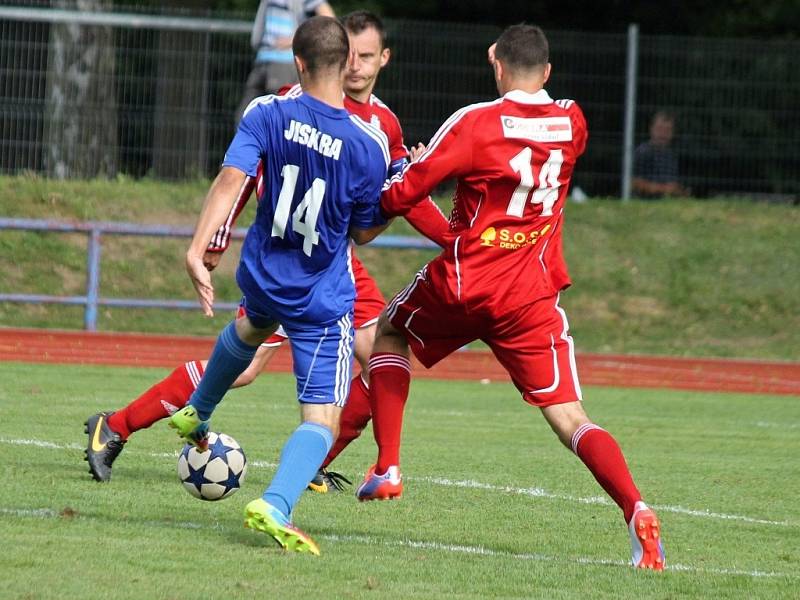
column 140, row 350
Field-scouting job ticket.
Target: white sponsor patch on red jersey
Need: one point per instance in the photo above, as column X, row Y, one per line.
column 537, row 129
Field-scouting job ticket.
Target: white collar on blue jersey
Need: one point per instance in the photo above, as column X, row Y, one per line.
column 540, row 97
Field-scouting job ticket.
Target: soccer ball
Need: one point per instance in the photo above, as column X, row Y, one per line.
column 216, row 473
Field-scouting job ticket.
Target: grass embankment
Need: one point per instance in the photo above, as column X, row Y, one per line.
column 702, row 278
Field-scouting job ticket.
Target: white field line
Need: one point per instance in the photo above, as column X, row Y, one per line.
column 481, row 551
column 52, row 446
column 770, row 424
column 540, row 493
column 42, row 444
column 48, row 513
column 469, row 484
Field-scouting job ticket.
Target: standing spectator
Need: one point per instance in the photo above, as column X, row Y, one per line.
column 655, row 165
column 274, row 27
column 500, row 275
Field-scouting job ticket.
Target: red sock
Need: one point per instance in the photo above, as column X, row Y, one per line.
column 600, row 452
column 389, row 377
column 355, row 416
column 159, row 402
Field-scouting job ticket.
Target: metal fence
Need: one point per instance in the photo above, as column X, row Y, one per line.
column 87, row 93
column 96, row 229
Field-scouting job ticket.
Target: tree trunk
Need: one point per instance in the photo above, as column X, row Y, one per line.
column 179, row 140
column 82, row 113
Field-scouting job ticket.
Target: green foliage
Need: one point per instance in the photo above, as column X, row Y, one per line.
column 674, row 277
column 708, row 278
column 494, row 506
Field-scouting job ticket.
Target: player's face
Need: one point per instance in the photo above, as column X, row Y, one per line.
column 368, row 58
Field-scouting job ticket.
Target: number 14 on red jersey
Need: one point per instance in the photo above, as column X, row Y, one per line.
column 546, row 193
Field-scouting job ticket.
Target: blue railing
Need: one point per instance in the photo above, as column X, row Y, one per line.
column 95, row 229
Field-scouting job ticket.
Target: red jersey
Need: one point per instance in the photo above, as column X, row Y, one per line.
column 377, row 114
column 425, row 217
column 513, row 159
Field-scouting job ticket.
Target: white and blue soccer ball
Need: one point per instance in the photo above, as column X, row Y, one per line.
column 216, row 473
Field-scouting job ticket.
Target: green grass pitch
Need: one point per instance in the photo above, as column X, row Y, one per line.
column 494, row 507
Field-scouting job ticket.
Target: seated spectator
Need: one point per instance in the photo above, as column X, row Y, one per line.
column 655, row 165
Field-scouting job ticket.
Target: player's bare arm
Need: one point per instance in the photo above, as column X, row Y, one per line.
column 217, row 207
column 364, row 236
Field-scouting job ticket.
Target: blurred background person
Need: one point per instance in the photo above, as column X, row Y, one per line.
column 655, row 163
column 273, row 30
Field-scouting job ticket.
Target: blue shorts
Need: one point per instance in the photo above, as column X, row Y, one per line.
column 323, row 360
column 257, row 314
column 322, row 355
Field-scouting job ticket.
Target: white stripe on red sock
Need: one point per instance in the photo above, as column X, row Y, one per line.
column 580, row 432
column 194, row 373
column 389, row 360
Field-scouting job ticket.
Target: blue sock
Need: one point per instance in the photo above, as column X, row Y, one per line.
column 301, row 457
column 230, row 358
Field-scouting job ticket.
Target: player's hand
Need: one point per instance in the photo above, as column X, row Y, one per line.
column 416, row 151
column 201, row 280
column 211, row 259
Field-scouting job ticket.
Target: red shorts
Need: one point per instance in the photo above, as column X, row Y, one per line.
column 532, row 342
column 368, row 305
column 369, row 300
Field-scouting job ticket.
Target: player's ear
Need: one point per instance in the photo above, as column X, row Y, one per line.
column 497, row 67
column 299, row 64
column 386, row 54
column 547, row 72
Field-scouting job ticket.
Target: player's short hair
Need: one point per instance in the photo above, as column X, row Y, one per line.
column 360, row 20
column 522, row 47
column 322, row 43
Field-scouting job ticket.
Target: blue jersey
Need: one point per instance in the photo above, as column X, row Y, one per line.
column 323, row 173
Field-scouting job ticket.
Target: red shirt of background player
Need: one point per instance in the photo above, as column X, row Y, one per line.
column 377, row 114
column 513, row 159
